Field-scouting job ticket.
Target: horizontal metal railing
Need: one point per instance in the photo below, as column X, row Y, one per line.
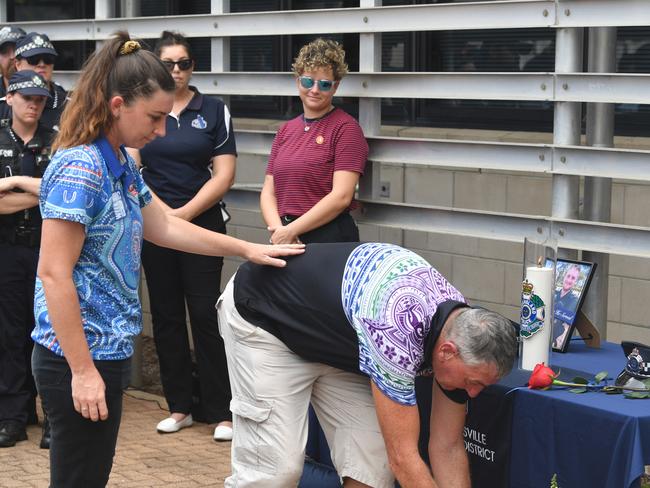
column 535, row 158
column 455, row 16
column 570, row 234
column 500, row 156
column 550, row 87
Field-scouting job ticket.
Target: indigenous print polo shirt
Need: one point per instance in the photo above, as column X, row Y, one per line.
column 390, row 295
column 89, row 185
column 373, row 309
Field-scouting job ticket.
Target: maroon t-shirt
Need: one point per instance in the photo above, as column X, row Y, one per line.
column 303, row 162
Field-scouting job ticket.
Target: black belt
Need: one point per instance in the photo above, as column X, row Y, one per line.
column 24, row 236
column 287, row 219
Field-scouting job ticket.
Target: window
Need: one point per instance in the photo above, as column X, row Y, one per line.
column 71, row 53
column 276, row 53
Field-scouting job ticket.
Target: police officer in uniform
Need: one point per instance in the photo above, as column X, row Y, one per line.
column 9, row 35
column 34, row 51
column 24, row 155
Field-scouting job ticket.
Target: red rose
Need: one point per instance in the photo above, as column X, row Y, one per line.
column 542, row 377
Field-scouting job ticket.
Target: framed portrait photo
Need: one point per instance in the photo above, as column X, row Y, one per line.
column 572, row 279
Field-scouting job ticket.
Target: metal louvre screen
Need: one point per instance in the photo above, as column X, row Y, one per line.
column 512, row 50
column 446, row 51
column 633, row 56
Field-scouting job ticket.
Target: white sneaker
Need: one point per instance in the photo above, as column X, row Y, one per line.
column 222, row 433
column 170, row 425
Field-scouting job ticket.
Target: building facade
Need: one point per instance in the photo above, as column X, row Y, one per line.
column 486, row 121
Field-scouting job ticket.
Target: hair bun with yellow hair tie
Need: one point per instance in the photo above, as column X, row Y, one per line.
column 129, row 47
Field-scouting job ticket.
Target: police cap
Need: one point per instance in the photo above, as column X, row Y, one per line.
column 637, row 367
column 28, row 82
column 34, row 43
column 11, row 34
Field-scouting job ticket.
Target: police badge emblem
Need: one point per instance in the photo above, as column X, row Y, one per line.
column 199, row 122
column 532, row 311
column 637, row 367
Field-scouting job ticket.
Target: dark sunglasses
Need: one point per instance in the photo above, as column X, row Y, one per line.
column 307, row 82
column 183, row 64
column 37, row 58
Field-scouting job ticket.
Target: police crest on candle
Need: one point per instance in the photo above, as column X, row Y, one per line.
column 536, row 317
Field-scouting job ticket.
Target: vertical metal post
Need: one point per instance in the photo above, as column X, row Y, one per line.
column 566, row 125
column 130, row 8
column 3, row 11
column 220, row 46
column 370, row 108
column 104, row 9
column 598, row 191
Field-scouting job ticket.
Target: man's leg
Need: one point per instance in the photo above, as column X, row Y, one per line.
column 271, row 387
column 346, row 411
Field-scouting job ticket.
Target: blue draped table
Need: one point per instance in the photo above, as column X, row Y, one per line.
column 521, row 438
column 588, row 440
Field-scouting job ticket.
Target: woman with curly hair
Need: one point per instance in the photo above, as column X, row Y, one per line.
column 316, row 159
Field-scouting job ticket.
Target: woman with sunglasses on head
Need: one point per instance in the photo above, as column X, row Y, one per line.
column 35, row 51
column 316, row 159
column 190, row 170
column 96, row 209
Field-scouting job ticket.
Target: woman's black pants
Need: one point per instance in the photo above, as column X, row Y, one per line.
column 174, row 279
column 81, row 451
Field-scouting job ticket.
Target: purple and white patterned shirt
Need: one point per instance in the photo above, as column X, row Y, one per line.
column 390, row 295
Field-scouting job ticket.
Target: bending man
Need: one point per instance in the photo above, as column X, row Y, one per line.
column 349, row 326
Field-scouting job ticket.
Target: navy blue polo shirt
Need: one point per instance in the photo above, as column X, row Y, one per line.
column 176, row 166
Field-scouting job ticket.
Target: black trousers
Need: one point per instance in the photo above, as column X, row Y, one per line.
column 341, row 229
column 17, row 276
column 81, row 451
column 175, row 278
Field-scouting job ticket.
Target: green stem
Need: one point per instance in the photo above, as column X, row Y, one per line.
column 580, row 385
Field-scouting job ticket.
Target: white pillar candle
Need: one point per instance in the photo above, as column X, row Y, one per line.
column 536, row 348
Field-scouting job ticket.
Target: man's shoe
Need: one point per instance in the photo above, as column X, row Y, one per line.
column 12, row 432
column 170, row 425
column 47, row 436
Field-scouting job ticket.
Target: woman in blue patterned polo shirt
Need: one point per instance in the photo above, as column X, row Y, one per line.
column 96, row 210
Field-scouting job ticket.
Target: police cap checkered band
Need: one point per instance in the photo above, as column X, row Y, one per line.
column 10, row 34
column 28, row 82
column 34, row 43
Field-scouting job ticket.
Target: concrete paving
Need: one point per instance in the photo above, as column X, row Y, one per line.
column 144, row 458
